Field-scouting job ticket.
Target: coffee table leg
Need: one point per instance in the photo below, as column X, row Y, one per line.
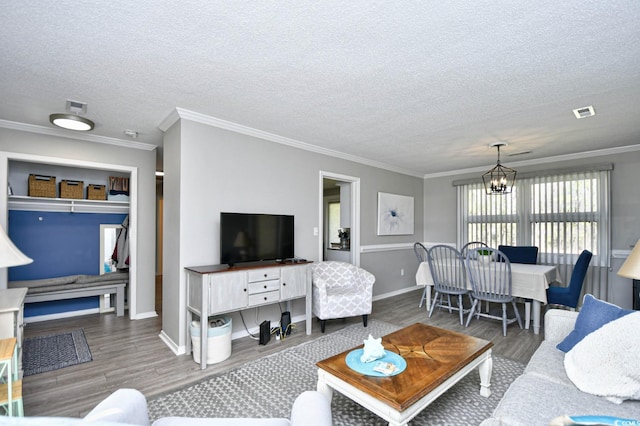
column 322, row 386
column 486, row 368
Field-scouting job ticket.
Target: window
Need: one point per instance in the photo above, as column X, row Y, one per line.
column 562, row 214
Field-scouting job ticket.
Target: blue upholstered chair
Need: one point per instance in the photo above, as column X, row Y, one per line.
column 520, row 254
column 569, row 296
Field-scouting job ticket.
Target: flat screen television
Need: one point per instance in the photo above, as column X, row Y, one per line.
column 251, row 237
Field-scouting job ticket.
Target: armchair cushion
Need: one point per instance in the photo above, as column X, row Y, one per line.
column 341, row 290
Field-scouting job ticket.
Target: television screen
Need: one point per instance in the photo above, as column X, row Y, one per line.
column 248, row 237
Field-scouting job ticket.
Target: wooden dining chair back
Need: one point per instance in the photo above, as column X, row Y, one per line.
column 449, row 278
column 471, row 245
column 490, row 278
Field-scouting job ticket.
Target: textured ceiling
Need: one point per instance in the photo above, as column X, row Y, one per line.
column 420, row 86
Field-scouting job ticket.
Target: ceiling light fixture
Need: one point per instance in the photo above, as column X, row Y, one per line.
column 71, row 122
column 500, row 179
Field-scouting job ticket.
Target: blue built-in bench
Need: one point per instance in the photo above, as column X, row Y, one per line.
column 76, row 286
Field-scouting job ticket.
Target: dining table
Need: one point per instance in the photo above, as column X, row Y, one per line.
column 528, row 281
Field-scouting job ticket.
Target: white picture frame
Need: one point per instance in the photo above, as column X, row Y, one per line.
column 395, row 214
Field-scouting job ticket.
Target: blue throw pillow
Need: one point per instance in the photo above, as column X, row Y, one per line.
column 594, row 314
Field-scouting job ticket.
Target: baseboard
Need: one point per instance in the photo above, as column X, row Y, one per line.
column 177, row 350
column 68, row 314
column 398, row 292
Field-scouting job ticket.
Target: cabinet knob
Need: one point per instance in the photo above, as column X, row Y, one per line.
column 265, row 298
column 265, row 286
column 283, row 284
column 244, row 289
column 265, row 275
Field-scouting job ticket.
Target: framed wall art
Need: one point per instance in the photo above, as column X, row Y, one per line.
column 395, row 214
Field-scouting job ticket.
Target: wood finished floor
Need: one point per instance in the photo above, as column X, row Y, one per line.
column 130, row 354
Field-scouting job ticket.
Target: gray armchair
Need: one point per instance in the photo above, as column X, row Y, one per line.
column 341, row 290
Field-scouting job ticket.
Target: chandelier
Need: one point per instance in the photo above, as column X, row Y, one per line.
column 500, row 179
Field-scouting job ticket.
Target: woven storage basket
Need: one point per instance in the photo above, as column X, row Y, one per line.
column 96, row 192
column 71, row 189
column 42, row 186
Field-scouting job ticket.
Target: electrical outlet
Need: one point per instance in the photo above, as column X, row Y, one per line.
column 402, row 272
column 315, row 231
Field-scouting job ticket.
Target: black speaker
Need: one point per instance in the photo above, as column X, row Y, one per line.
column 285, row 323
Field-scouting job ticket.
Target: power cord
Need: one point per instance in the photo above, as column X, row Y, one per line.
column 245, row 327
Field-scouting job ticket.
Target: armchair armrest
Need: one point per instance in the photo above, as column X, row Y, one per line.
column 558, row 323
column 311, row 408
column 127, row 406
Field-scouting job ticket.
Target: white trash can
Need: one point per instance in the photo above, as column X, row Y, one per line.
column 218, row 340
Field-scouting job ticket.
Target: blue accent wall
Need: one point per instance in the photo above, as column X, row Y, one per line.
column 60, row 244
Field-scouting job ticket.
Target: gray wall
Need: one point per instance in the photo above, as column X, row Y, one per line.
column 15, row 141
column 440, row 207
column 209, row 170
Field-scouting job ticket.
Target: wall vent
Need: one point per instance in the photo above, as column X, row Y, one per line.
column 584, row 112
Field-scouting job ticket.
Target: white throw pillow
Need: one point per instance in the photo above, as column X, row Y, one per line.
column 606, row 362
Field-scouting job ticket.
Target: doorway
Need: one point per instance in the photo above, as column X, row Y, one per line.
column 339, row 215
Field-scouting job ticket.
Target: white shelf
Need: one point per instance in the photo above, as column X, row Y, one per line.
column 22, row 202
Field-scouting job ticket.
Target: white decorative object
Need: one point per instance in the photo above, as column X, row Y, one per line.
column 395, row 214
column 373, row 349
column 605, row 362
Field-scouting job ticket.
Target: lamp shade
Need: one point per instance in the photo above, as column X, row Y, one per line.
column 631, row 267
column 10, row 255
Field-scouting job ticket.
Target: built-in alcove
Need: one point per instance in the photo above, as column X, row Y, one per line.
column 65, row 236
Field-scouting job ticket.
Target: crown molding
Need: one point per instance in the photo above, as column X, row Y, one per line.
column 180, row 113
column 87, row 137
column 566, row 157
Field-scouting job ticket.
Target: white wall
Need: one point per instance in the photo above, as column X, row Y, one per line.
column 22, row 142
column 209, row 170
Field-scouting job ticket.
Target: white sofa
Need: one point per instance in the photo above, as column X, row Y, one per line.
column 544, row 391
column 129, row 407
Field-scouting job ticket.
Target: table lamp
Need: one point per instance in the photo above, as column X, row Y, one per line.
column 10, row 255
column 631, row 267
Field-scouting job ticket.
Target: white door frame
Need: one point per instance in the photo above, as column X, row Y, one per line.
column 355, row 213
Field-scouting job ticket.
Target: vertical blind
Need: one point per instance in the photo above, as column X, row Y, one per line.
column 560, row 213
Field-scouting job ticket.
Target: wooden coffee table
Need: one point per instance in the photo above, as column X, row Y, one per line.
column 436, row 360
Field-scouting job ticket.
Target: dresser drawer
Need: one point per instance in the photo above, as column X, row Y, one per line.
column 264, row 274
column 264, row 286
column 264, row 298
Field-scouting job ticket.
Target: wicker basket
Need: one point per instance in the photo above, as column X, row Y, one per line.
column 71, row 189
column 42, row 186
column 96, row 192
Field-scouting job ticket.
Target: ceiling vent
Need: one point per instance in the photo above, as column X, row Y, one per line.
column 584, row 112
column 76, row 107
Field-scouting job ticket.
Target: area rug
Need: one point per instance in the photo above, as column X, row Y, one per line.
column 48, row 353
column 267, row 387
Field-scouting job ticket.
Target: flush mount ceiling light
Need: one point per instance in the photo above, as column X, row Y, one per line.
column 71, row 122
column 500, row 179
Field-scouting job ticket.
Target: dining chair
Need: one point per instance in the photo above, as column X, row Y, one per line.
column 421, row 253
column 570, row 295
column 471, row 245
column 520, row 254
column 449, row 278
column 491, row 282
